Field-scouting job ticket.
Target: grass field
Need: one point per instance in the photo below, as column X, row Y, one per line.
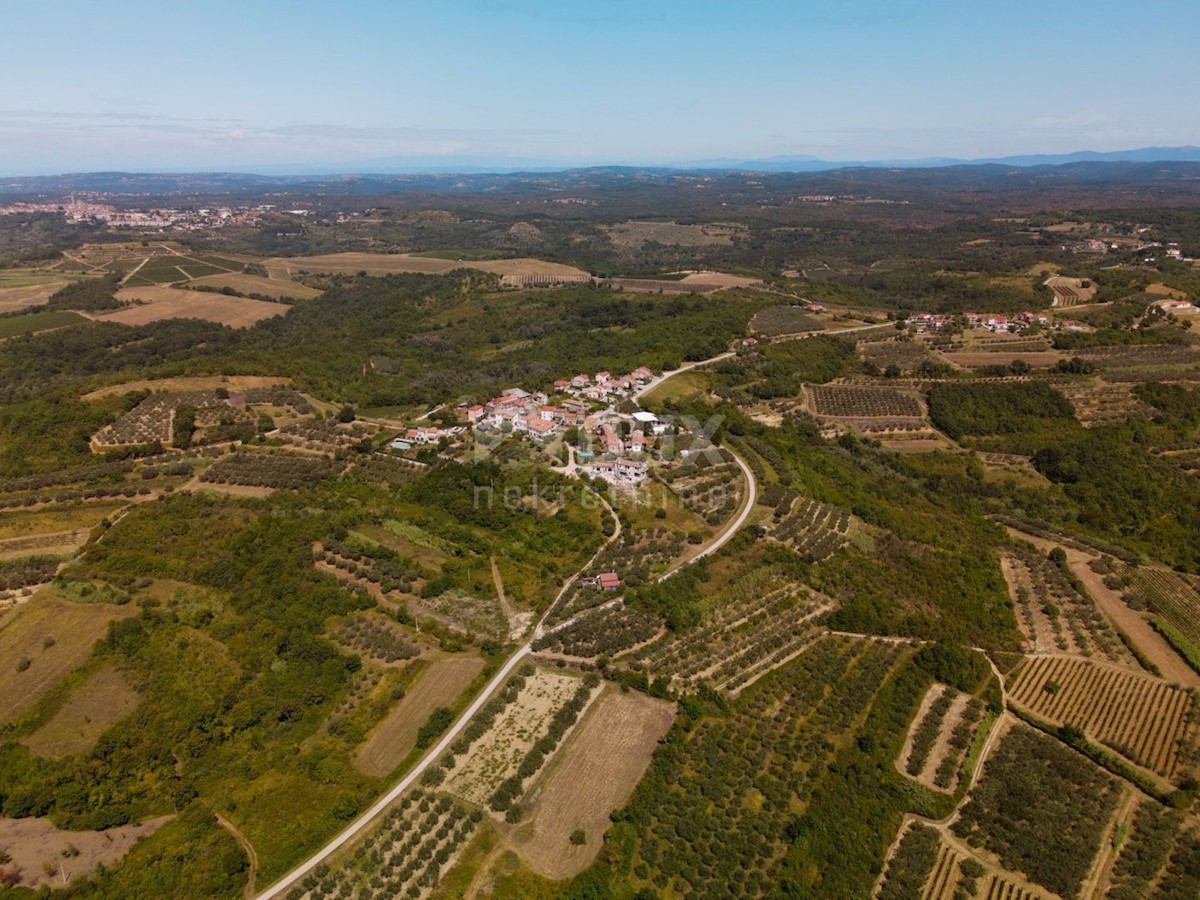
column 189, row 383
column 13, row 299
column 38, row 321
column 159, row 303
column 594, row 774
column 55, row 636
column 254, row 284
column 26, row 523
column 100, row 702
column 399, row 263
column 678, row 387
column 439, row 685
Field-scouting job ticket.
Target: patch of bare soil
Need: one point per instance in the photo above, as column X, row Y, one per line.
column 46, row 855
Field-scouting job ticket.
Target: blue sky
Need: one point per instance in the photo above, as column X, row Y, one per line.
column 367, row 85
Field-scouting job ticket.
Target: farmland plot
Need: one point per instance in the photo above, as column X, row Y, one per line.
column 939, row 737
column 843, row 401
column 751, row 627
column 399, row 263
column 1146, row 362
column 14, row 299
column 777, row 320
column 1175, row 600
column 907, row 356
column 592, row 776
column 606, row 630
column 1144, row 719
column 738, row 779
column 405, row 856
column 276, row 288
column 496, row 755
column 101, row 701
column 270, row 470
column 1041, row 808
column 1098, row 402
column 151, row 420
column 713, row 492
column 1053, row 615
column 813, row 529
column 155, row 304
column 1153, row 833
column 439, row 685
column 55, row 636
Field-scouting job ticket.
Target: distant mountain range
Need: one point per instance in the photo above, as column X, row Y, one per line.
column 1149, row 164
column 815, row 164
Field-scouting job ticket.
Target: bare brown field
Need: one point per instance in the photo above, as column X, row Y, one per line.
column 969, row 359
column 594, row 774
column 25, row 523
column 189, row 383
column 255, row 284
column 721, row 279
column 159, row 303
column 13, row 299
column 401, row 263
column 439, row 685
column 93, row 707
column 71, row 629
column 33, row 843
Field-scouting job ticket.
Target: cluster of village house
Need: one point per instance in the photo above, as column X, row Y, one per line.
column 622, row 441
column 923, row 322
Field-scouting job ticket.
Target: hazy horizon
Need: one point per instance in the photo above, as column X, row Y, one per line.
column 369, row 86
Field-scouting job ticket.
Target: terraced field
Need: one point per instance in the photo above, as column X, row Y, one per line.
column 1146, row 720
column 813, row 529
column 753, row 626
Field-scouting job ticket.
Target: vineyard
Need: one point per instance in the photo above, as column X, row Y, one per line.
column 813, row 529
column 714, row 808
column 752, row 626
column 1145, row 362
column 1041, row 808
column 1053, row 614
column 940, row 736
column 1175, row 599
column 928, row 865
column 773, row 321
column 842, row 401
column 603, row 631
column 1144, row 719
column 406, row 856
column 271, row 470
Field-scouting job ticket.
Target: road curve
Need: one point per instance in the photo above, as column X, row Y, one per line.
column 363, row 821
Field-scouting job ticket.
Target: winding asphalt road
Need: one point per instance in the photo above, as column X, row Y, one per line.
column 367, row 818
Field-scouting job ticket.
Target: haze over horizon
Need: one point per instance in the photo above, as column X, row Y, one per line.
column 369, row 86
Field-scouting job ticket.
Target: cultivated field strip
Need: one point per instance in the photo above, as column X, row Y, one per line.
column 1175, row 597
column 1147, row 720
column 997, row 887
column 1053, row 615
column 497, row 754
column 405, row 856
column 811, row 528
column 842, row 401
column 751, row 629
column 943, row 880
